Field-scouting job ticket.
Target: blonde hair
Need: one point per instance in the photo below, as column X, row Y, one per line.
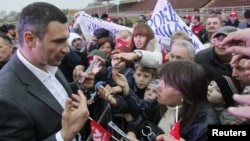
column 179, row 35
column 123, row 32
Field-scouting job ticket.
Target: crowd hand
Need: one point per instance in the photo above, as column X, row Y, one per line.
column 116, row 89
column 239, row 36
column 128, row 117
column 89, row 79
column 164, row 137
column 121, row 80
column 229, row 119
column 131, row 136
column 98, row 67
column 240, row 52
column 90, row 101
column 77, row 69
column 91, row 41
column 241, row 111
column 236, row 50
column 236, row 37
column 74, row 116
column 125, row 56
column 105, row 93
column 235, row 60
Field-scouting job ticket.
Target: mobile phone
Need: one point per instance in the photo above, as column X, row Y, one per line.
column 90, row 68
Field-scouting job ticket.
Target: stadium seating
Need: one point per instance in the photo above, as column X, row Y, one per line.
column 180, row 6
column 229, row 3
column 184, row 4
column 98, row 9
column 146, row 5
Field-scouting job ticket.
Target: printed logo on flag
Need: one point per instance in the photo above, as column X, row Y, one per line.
column 98, row 132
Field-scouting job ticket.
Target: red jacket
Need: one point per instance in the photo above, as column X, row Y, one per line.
column 196, row 29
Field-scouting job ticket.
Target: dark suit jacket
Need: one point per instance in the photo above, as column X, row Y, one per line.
column 28, row 111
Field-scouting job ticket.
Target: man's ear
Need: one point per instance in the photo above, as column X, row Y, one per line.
column 30, row 39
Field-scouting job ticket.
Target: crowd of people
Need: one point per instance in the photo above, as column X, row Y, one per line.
column 49, row 92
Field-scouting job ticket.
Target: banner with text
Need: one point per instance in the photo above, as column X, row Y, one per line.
column 164, row 22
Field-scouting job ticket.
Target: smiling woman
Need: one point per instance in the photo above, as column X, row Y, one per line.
column 146, row 49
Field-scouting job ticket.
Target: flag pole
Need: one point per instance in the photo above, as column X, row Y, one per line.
column 176, row 114
column 103, row 113
column 114, row 138
column 91, row 135
column 99, row 120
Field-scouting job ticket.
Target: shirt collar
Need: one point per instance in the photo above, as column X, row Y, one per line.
column 40, row 74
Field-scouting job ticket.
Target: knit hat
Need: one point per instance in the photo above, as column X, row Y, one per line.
column 154, row 83
column 72, row 37
column 228, row 86
column 96, row 52
column 101, row 33
column 225, row 31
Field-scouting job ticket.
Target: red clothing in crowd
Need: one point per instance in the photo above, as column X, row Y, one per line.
column 196, row 29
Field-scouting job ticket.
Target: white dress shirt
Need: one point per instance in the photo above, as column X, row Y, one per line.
column 50, row 82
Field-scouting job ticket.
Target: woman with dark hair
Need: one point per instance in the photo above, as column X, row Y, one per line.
column 183, row 84
column 106, row 45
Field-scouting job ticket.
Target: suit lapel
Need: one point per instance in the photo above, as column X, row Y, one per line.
column 60, row 77
column 35, row 86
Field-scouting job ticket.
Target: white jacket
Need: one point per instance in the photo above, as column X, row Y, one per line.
column 151, row 56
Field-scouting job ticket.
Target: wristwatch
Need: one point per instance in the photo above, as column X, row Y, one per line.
column 138, row 54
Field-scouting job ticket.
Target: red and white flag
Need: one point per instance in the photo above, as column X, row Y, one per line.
column 98, row 132
column 175, row 131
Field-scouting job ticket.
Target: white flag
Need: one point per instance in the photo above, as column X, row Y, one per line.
column 164, row 22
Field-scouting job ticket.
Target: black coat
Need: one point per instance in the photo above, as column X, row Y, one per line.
column 211, row 63
column 29, row 112
column 198, row 130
